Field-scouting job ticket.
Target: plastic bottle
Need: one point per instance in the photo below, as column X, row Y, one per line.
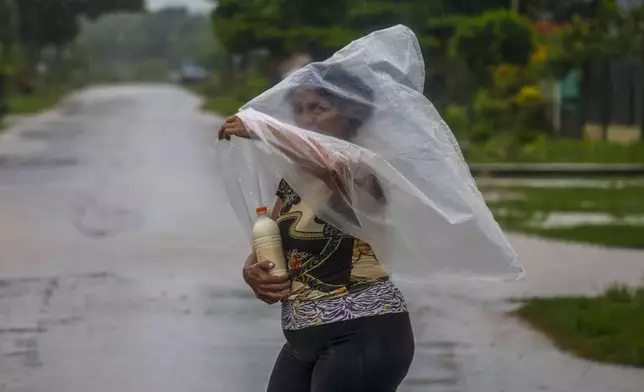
column 267, row 242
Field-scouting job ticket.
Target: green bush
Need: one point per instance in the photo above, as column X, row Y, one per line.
column 493, row 110
column 42, row 99
column 225, row 100
column 458, row 120
column 492, row 39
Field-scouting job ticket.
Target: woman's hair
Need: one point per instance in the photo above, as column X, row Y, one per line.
column 348, row 93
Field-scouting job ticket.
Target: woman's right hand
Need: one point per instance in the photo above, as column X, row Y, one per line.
column 267, row 288
column 233, row 126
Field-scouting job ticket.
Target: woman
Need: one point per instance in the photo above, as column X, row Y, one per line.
column 346, row 324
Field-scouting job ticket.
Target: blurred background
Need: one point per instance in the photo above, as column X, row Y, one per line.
column 107, row 112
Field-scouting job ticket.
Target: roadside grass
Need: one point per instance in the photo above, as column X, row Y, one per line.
column 42, row 99
column 607, row 328
column 222, row 106
column 556, row 150
column 608, row 235
column 525, row 209
column 615, row 200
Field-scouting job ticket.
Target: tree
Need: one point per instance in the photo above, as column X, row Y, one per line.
column 56, row 23
column 634, row 29
column 287, row 26
column 284, row 27
column 494, row 38
column 469, row 7
column 7, row 21
column 7, row 41
column 7, row 32
column 171, row 34
column 559, row 10
column 281, row 27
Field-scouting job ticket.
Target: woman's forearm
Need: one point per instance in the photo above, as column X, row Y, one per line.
column 304, row 151
column 299, row 149
column 311, row 157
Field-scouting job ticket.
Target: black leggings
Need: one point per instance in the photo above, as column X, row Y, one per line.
column 369, row 354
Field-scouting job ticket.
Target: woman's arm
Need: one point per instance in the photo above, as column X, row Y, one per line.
column 303, row 150
column 311, row 156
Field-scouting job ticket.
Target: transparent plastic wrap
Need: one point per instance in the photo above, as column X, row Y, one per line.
column 355, row 137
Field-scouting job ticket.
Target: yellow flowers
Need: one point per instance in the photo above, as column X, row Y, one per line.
column 528, row 95
column 540, row 56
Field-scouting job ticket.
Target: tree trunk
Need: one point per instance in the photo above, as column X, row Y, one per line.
column 27, row 75
column 606, row 98
column 642, row 90
column 3, row 95
column 515, row 6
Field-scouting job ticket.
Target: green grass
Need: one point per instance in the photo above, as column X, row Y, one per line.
column 41, row 100
column 616, row 201
column 526, row 207
column 608, row 235
column 561, row 151
column 222, row 106
column 608, row 328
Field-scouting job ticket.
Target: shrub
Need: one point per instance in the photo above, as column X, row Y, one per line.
column 492, row 39
column 458, row 120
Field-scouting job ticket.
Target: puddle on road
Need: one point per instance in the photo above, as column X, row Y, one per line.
column 36, row 162
column 568, row 219
column 27, row 312
column 50, row 134
column 502, row 195
column 559, row 219
column 94, row 218
column 440, row 363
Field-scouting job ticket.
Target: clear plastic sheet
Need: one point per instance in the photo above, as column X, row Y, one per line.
column 356, row 138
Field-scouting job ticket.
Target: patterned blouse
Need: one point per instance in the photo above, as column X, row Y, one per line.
column 335, row 277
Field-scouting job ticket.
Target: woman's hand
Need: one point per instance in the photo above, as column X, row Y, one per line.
column 267, row 288
column 233, row 126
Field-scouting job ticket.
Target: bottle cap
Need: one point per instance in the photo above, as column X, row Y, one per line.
column 261, row 210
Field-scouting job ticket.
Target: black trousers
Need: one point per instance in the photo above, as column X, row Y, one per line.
column 371, row 354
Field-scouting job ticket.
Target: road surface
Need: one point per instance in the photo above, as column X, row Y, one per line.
column 120, row 270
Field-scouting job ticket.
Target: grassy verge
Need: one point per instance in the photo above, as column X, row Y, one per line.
column 560, row 151
column 616, row 200
column 222, row 106
column 608, row 328
column 525, row 210
column 41, row 100
column 224, row 96
column 609, row 235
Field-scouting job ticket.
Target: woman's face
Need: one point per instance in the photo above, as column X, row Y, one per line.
column 314, row 112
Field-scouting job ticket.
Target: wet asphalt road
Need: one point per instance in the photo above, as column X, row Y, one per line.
column 120, row 270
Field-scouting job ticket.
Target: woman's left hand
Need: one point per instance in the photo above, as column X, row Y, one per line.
column 233, row 126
